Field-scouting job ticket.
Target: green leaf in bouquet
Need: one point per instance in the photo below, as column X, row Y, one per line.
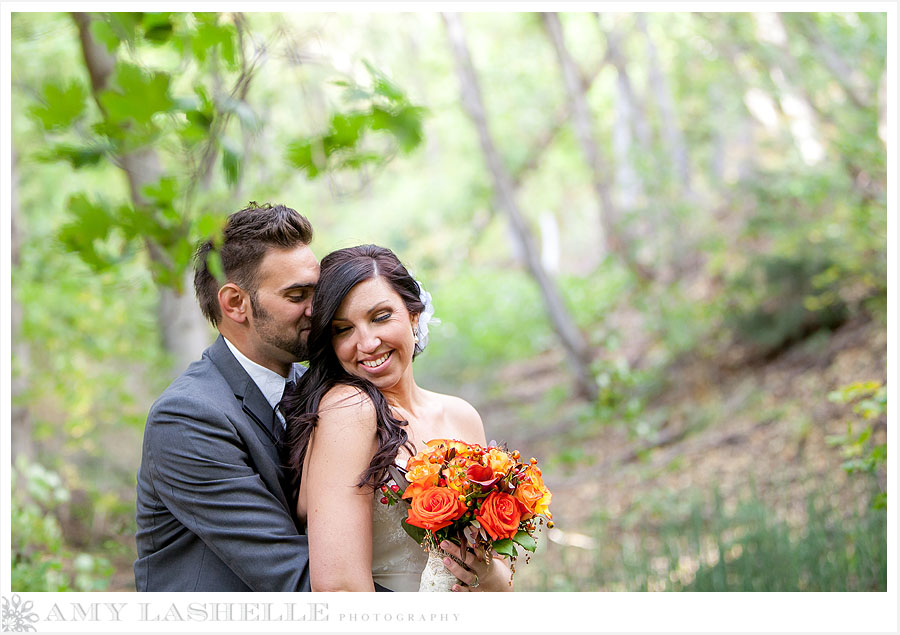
column 416, row 533
column 524, row 539
column 505, row 547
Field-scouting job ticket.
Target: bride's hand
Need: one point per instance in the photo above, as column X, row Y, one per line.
column 476, row 575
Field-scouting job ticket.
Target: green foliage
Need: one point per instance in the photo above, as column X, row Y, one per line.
column 861, row 452
column 780, row 300
column 386, row 109
column 525, row 540
column 505, row 547
column 687, row 541
column 60, row 105
column 143, row 115
column 40, row 560
column 416, row 533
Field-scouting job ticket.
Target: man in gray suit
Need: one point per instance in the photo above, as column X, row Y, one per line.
column 215, row 507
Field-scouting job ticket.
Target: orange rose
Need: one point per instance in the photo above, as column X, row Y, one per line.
column 426, row 474
column 499, row 461
column 500, row 515
column 435, row 508
column 413, row 489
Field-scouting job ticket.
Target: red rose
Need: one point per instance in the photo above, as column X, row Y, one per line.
column 482, row 474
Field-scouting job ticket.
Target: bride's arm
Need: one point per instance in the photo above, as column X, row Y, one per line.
column 339, row 514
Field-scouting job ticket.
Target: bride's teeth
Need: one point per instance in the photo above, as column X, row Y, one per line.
column 378, row 362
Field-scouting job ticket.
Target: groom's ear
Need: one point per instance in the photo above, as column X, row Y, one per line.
column 234, row 302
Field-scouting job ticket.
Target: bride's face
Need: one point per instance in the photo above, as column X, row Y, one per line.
column 372, row 333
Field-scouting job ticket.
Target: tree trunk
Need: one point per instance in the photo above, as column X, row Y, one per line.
column 559, row 121
column 672, row 134
column 577, row 349
column 627, row 179
column 850, row 79
column 22, row 439
column 616, row 242
column 183, row 328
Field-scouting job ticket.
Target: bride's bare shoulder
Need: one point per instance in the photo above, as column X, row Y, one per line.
column 348, row 405
column 463, row 416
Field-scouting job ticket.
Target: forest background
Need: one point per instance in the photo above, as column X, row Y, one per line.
column 657, row 244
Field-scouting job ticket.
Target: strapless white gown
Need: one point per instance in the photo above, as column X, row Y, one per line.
column 397, row 561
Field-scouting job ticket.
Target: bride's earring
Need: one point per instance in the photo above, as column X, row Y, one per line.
column 415, row 336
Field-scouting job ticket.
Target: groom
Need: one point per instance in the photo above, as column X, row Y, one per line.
column 215, row 507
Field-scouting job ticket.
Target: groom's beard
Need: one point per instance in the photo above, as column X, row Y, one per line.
column 290, row 338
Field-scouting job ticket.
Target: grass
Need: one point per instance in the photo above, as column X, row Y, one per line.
column 697, row 542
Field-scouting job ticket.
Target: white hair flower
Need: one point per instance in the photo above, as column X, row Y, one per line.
column 426, row 317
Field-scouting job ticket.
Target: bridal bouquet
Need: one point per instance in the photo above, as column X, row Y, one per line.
column 472, row 496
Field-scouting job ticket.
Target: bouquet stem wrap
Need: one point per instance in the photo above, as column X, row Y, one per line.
column 436, row 577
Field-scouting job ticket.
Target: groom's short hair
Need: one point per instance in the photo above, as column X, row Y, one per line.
column 247, row 236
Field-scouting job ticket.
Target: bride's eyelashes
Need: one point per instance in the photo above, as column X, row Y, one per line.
column 381, row 317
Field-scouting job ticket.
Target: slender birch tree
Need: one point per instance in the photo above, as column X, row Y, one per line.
column 577, row 351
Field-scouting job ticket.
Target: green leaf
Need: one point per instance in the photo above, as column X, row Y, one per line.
column 91, row 223
column 231, row 160
column 505, row 547
column 137, row 95
column 60, row 105
column 208, row 226
column 209, row 35
column 78, row 157
column 299, row 154
column 347, row 128
column 158, row 27
column 104, row 33
column 214, row 264
column 124, row 24
column 163, row 192
column 524, row 539
column 382, row 85
column 405, row 125
column 416, row 533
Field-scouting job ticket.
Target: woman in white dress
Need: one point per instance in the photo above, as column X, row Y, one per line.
column 357, row 412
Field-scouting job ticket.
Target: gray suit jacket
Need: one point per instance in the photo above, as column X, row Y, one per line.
column 215, row 506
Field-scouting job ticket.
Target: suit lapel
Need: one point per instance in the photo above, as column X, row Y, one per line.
column 245, row 389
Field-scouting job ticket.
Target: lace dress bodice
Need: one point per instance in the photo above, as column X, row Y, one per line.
column 397, row 561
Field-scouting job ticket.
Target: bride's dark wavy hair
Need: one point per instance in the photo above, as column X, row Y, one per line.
column 341, row 271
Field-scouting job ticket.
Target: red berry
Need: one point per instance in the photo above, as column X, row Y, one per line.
column 395, row 488
column 384, row 488
column 384, row 500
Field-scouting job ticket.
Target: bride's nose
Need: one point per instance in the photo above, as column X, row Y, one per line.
column 368, row 342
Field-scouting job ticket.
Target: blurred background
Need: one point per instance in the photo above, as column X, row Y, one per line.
column 656, row 242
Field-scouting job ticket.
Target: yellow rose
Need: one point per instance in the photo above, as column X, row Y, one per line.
column 532, row 492
column 499, row 461
column 455, row 474
column 426, row 474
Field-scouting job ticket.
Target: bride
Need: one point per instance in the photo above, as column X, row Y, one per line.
column 357, row 413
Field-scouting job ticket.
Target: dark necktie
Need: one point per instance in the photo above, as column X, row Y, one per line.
column 288, row 389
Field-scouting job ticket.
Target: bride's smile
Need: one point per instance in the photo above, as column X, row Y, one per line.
column 376, row 363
